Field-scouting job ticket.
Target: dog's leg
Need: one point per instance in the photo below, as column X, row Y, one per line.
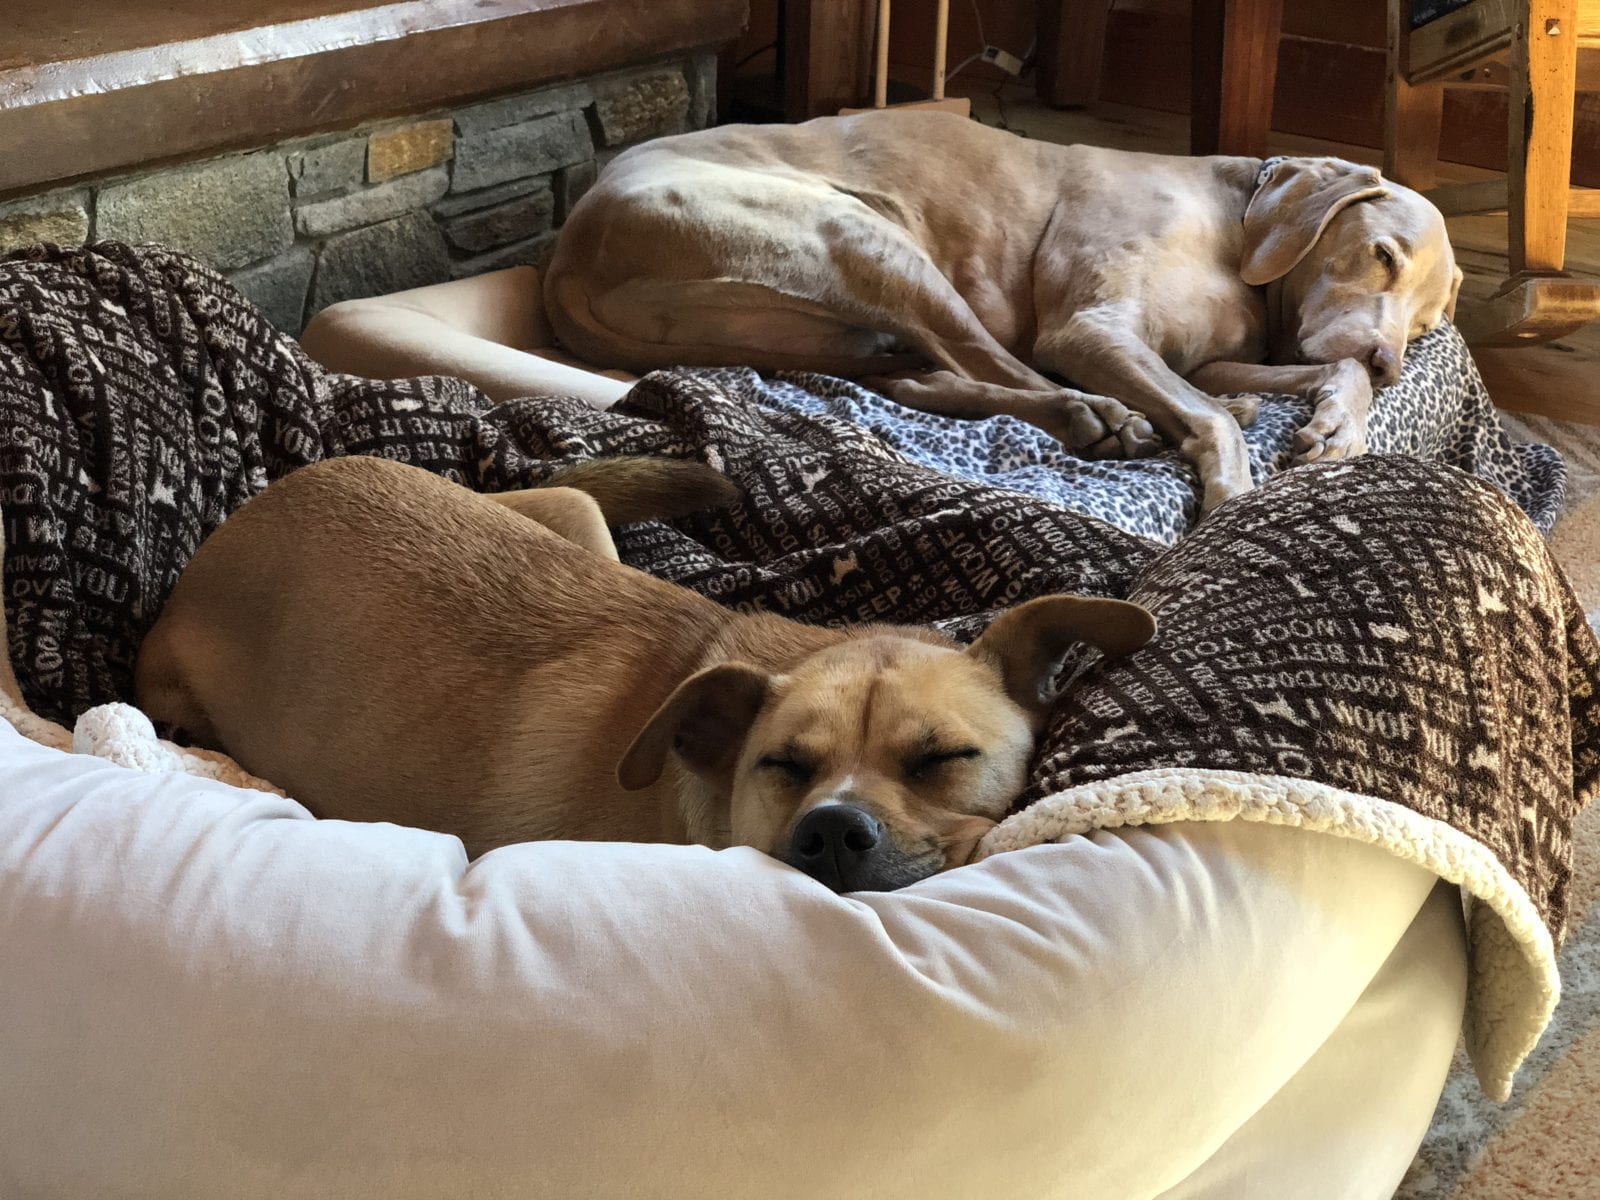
column 567, row 512
column 1096, row 426
column 167, row 659
column 1099, row 349
column 908, row 296
column 1341, row 393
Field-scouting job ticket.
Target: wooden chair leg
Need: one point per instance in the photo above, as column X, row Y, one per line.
column 1544, row 70
column 1072, row 44
column 1233, row 56
column 1413, row 114
column 823, row 64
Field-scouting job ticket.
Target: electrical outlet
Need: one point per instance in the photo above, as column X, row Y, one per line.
column 1007, row 62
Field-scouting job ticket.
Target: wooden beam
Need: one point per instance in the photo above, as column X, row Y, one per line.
column 1072, row 42
column 1530, row 309
column 1544, row 63
column 1413, row 117
column 826, row 50
column 1460, row 199
column 1233, row 71
column 1493, row 196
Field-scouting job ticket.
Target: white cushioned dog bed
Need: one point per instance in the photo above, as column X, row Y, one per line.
column 206, row 992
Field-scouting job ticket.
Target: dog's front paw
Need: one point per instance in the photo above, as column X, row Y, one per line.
column 1243, row 409
column 1216, row 448
column 1100, row 427
column 1311, row 445
column 1217, row 492
column 1338, row 425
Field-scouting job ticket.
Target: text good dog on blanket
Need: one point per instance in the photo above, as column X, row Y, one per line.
column 387, row 645
column 865, row 244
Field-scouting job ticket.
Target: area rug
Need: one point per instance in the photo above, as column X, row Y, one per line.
column 1544, row 1143
column 1577, row 547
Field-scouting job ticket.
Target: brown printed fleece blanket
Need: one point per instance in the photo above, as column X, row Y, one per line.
column 1382, row 649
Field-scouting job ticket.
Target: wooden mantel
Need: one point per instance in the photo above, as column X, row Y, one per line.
column 88, row 88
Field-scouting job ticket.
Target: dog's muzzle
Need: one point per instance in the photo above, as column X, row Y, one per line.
column 850, row 850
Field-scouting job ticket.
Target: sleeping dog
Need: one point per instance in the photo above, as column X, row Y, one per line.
column 862, row 245
column 387, row 645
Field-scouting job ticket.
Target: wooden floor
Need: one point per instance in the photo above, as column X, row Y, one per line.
column 1560, row 379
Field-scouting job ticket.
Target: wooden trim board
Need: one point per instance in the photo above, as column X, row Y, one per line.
column 1490, row 196
column 139, row 108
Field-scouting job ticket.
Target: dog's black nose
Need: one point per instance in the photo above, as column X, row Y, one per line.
column 1383, row 365
column 834, row 844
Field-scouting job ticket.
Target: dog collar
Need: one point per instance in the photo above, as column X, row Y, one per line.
column 1267, row 164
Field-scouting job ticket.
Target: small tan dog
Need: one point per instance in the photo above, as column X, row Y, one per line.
column 387, row 645
column 1152, row 283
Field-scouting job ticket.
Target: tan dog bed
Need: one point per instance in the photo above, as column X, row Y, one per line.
column 489, row 330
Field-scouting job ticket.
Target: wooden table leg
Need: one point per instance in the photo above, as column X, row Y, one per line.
column 1234, row 68
column 1413, row 115
column 1544, row 71
column 826, row 56
column 1072, row 43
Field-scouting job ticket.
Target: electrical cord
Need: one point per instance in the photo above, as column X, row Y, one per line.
column 756, row 53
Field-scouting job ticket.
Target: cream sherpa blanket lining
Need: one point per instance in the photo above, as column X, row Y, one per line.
column 1514, row 983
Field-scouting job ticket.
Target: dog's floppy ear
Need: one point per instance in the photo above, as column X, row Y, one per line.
column 1026, row 644
column 1293, row 206
column 1455, row 293
column 704, row 720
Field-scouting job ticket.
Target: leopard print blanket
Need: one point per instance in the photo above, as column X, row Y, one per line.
column 1381, row 649
column 1439, row 410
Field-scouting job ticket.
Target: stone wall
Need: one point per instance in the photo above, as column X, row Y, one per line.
column 388, row 206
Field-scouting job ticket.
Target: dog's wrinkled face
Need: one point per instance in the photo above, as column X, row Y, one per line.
column 1361, row 265
column 879, row 760
column 1383, row 274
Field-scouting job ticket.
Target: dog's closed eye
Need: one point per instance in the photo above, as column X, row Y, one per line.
column 926, row 762
column 798, row 770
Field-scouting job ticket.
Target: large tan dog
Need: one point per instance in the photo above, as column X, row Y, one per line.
column 387, row 645
column 865, row 244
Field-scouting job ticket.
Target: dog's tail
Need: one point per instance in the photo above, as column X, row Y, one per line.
column 647, row 489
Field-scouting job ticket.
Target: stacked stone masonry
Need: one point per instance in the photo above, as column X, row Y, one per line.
column 394, row 205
